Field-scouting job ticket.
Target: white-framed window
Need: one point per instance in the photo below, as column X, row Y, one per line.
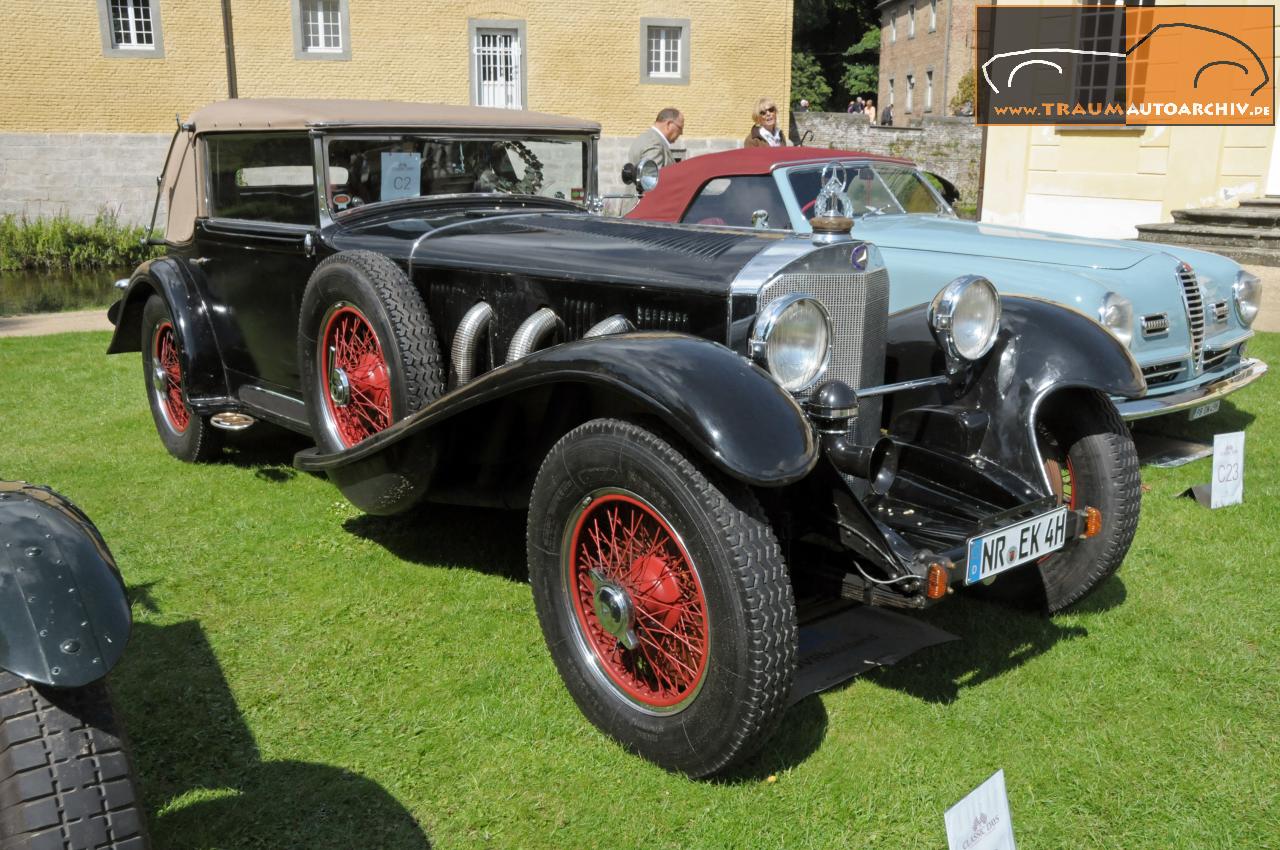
column 321, row 29
column 664, row 51
column 911, row 91
column 928, row 91
column 911, row 20
column 893, row 28
column 131, row 28
column 891, row 91
column 933, row 15
column 498, row 64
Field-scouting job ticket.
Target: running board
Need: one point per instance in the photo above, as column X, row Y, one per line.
column 848, row 641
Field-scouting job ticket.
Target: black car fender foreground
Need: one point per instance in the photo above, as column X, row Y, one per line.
column 730, row 411
column 65, row 779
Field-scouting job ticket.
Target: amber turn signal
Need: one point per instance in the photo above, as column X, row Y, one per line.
column 936, row 586
column 1092, row 522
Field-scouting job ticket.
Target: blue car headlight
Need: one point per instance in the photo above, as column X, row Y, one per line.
column 1247, row 293
column 1116, row 315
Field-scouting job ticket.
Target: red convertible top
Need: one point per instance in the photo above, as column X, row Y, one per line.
column 677, row 184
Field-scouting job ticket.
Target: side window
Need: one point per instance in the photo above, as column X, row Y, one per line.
column 261, row 177
column 732, row 200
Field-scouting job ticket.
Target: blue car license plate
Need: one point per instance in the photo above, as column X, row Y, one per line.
column 1207, row 409
column 996, row 551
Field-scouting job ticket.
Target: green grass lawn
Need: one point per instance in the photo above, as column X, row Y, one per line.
column 301, row 675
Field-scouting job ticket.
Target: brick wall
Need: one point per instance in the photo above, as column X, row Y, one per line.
column 951, row 147
column 930, row 50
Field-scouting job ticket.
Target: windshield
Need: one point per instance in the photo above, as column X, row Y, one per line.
column 388, row 167
column 873, row 188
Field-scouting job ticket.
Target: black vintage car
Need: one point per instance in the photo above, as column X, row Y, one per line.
column 701, row 423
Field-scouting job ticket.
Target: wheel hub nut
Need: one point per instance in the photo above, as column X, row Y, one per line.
column 339, row 387
column 615, row 611
column 159, row 378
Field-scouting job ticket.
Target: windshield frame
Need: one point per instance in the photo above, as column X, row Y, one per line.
column 782, row 174
column 322, row 137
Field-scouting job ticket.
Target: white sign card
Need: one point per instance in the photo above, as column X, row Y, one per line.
column 401, row 175
column 1228, row 470
column 981, row 821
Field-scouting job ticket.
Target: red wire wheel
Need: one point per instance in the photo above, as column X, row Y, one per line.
column 167, row 380
column 1062, row 480
column 357, row 381
column 637, row 601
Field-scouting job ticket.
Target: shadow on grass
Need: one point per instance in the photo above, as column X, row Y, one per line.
column 485, row 540
column 266, row 449
column 799, row 735
column 202, row 779
column 994, row 640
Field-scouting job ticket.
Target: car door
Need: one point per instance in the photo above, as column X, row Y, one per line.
column 256, row 250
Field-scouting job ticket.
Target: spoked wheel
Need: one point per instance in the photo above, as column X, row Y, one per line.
column 366, row 349
column 637, row 600
column 358, row 395
column 1089, row 461
column 186, row 436
column 663, row 598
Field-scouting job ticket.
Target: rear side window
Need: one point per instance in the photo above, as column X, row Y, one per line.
column 732, row 200
column 261, row 177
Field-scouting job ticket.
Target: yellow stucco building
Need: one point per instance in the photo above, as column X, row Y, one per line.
column 123, row 68
column 1106, row 181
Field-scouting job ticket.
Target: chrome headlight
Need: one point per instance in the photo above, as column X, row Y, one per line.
column 792, row 339
column 965, row 317
column 647, row 175
column 1247, row 292
column 1116, row 315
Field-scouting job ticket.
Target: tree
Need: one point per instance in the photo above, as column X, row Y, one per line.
column 808, row 81
column 863, row 77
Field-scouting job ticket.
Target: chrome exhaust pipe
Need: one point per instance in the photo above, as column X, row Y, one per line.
column 463, row 351
column 617, row 324
column 531, row 333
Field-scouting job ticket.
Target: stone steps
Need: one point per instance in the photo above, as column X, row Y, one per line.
column 1267, row 202
column 1250, row 246
column 1251, row 217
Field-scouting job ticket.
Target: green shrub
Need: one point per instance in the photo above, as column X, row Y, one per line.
column 966, row 95
column 62, row 242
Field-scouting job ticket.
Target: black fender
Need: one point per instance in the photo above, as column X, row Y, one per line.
column 64, row 617
column 171, row 278
column 1042, row 348
column 727, row 409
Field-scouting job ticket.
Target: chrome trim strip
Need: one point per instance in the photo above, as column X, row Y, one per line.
column 764, row 265
column 903, row 386
column 1142, row 408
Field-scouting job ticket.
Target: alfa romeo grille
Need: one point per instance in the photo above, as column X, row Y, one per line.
column 859, row 308
column 1162, row 373
column 1195, row 312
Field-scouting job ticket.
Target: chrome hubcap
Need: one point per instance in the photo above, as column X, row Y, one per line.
column 614, row 610
column 159, row 378
column 339, row 387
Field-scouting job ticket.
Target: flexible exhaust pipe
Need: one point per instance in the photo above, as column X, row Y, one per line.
column 463, row 353
column 617, row 324
column 531, row 333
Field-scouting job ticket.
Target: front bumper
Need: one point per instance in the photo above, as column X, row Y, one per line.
column 1251, row 369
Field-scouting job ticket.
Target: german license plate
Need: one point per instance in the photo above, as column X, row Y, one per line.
column 996, row 551
column 1206, row 409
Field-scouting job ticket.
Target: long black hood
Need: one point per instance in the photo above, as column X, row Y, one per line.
column 567, row 246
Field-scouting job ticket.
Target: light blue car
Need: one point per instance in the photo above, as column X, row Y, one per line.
column 1185, row 315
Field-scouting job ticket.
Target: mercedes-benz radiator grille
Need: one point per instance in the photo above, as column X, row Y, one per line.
column 859, row 308
column 1195, row 313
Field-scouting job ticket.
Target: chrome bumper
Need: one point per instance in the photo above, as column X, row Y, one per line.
column 1251, row 369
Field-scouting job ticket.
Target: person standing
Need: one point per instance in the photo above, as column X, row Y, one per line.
column 655, row 143
column 765, row 132
column 804, row 106
column 886, row 117
column 870, row 111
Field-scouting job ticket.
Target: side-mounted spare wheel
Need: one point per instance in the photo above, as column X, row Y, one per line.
column 65, row 782
column 663, row 598
column 186, row 435
column 367, row 352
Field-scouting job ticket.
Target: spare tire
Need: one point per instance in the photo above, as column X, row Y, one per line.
column 367, row 351
column 66, row 780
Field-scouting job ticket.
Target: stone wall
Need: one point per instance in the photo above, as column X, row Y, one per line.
column 81, row 174
column 951, row 147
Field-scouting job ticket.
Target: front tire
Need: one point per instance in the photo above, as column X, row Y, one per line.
column 663, row 598
column 66, row 779
column 366, row 349
column 1090, row 459
column 186, row 435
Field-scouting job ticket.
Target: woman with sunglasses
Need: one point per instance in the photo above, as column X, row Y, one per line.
column 764, row 132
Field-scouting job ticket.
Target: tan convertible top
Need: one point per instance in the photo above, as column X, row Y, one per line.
column 302, row 114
